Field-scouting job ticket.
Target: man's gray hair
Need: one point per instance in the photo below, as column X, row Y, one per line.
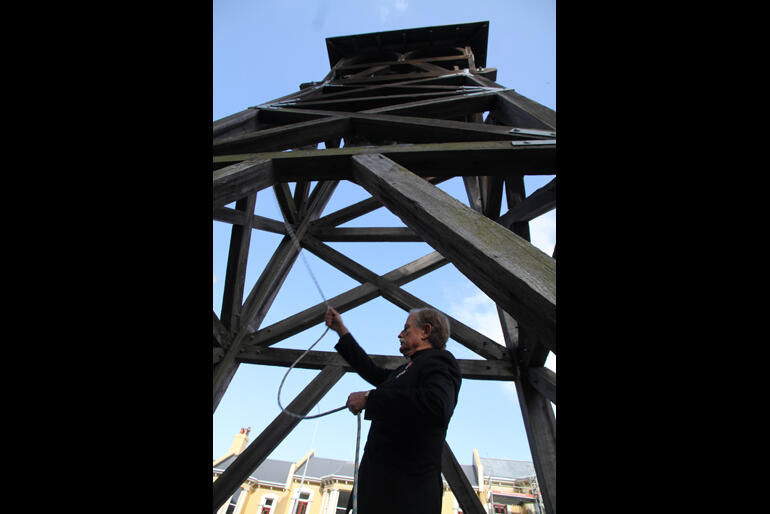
column 439, row 333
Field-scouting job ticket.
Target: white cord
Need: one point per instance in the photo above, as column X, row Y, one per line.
column 280, row 387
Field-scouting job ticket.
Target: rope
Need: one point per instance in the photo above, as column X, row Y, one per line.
column 297, row 247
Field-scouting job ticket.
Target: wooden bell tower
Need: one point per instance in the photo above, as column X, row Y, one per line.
column 409, row 106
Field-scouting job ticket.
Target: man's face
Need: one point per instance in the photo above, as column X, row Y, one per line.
column 413, row 337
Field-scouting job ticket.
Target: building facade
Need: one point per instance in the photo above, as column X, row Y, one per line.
column 317, row 485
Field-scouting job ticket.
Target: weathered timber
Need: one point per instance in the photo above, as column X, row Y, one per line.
column 235, row 274
column 372, row 102
column 536, row 411
column 475, row 369
column 301, row 190
column 241, row 179
column 415, row 129
column 284, row 137
column 367, row 234
column 399, row 77
column 544, row 380
column 516, row 110
column 515, row 193
column 449, row 59
column 271, row 437
column 286, row 202
column 264, row 291
column 287, row 251
column 426, row 160
column 539, row 202
column 342, row 302
column 459, row 483
column 473, row 192
column 234, row 217
column 348, row 213
column 514, row 274
column 519, row 111
column 491, row 188
column 338, row 90
column 460, row 332
column 236, row 124
column 347, row 92
column 222, row 336
column 461, row 105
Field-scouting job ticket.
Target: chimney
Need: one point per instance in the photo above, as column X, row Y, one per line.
column 479, row 473
column 240, row 442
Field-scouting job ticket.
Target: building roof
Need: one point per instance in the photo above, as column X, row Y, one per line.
column 276, row 471
column 457, row 35
column 319, row 467
column 273, row 471
column 507, row 469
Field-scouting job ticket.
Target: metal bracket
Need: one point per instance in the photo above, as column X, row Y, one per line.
column 532, row 132
column 532, row 142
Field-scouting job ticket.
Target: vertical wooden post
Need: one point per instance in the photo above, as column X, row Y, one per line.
column 240, row 236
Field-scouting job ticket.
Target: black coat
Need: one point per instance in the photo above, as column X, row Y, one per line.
column 400, row 471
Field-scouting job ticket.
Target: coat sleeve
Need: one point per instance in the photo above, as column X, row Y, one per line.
column 360, row 361
column 431, row 401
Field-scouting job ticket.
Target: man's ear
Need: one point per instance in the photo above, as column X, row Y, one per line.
column 427, row 329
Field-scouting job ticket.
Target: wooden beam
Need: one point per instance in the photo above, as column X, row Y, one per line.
column 536, row 410
column 517, row 110
column 286, row 202
column 342, row 302
column 241, row 179
column 473, row 191
column 348, row 213
column 236, row 124
column 301, row 190
column 256, row 453
column 491, row 195
column 228, row 215
column 222, row 335
column 235, row 274
column 367, row 234
column 426, row 160
column 459, row 483
column 374, row 102
column 544, row 380
column 539, row 202
column 398, row 77
column 443, row 107
column 474, row 369
column 460, row 332
column 264, row 291
column 415, row 129
column 284, row 137
column 514, row 274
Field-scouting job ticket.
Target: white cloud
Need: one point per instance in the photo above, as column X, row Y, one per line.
column 384, row 11
column 542, row 231
column 401, row 5
column 215, row 279
column 480, row 313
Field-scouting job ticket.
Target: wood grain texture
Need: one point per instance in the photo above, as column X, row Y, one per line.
column 512, row 272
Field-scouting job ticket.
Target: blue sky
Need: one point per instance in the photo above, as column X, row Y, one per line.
column 263, row 50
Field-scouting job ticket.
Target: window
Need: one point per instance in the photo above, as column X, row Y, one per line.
column 267, row 505
column 302, row 502
column 342, row 501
